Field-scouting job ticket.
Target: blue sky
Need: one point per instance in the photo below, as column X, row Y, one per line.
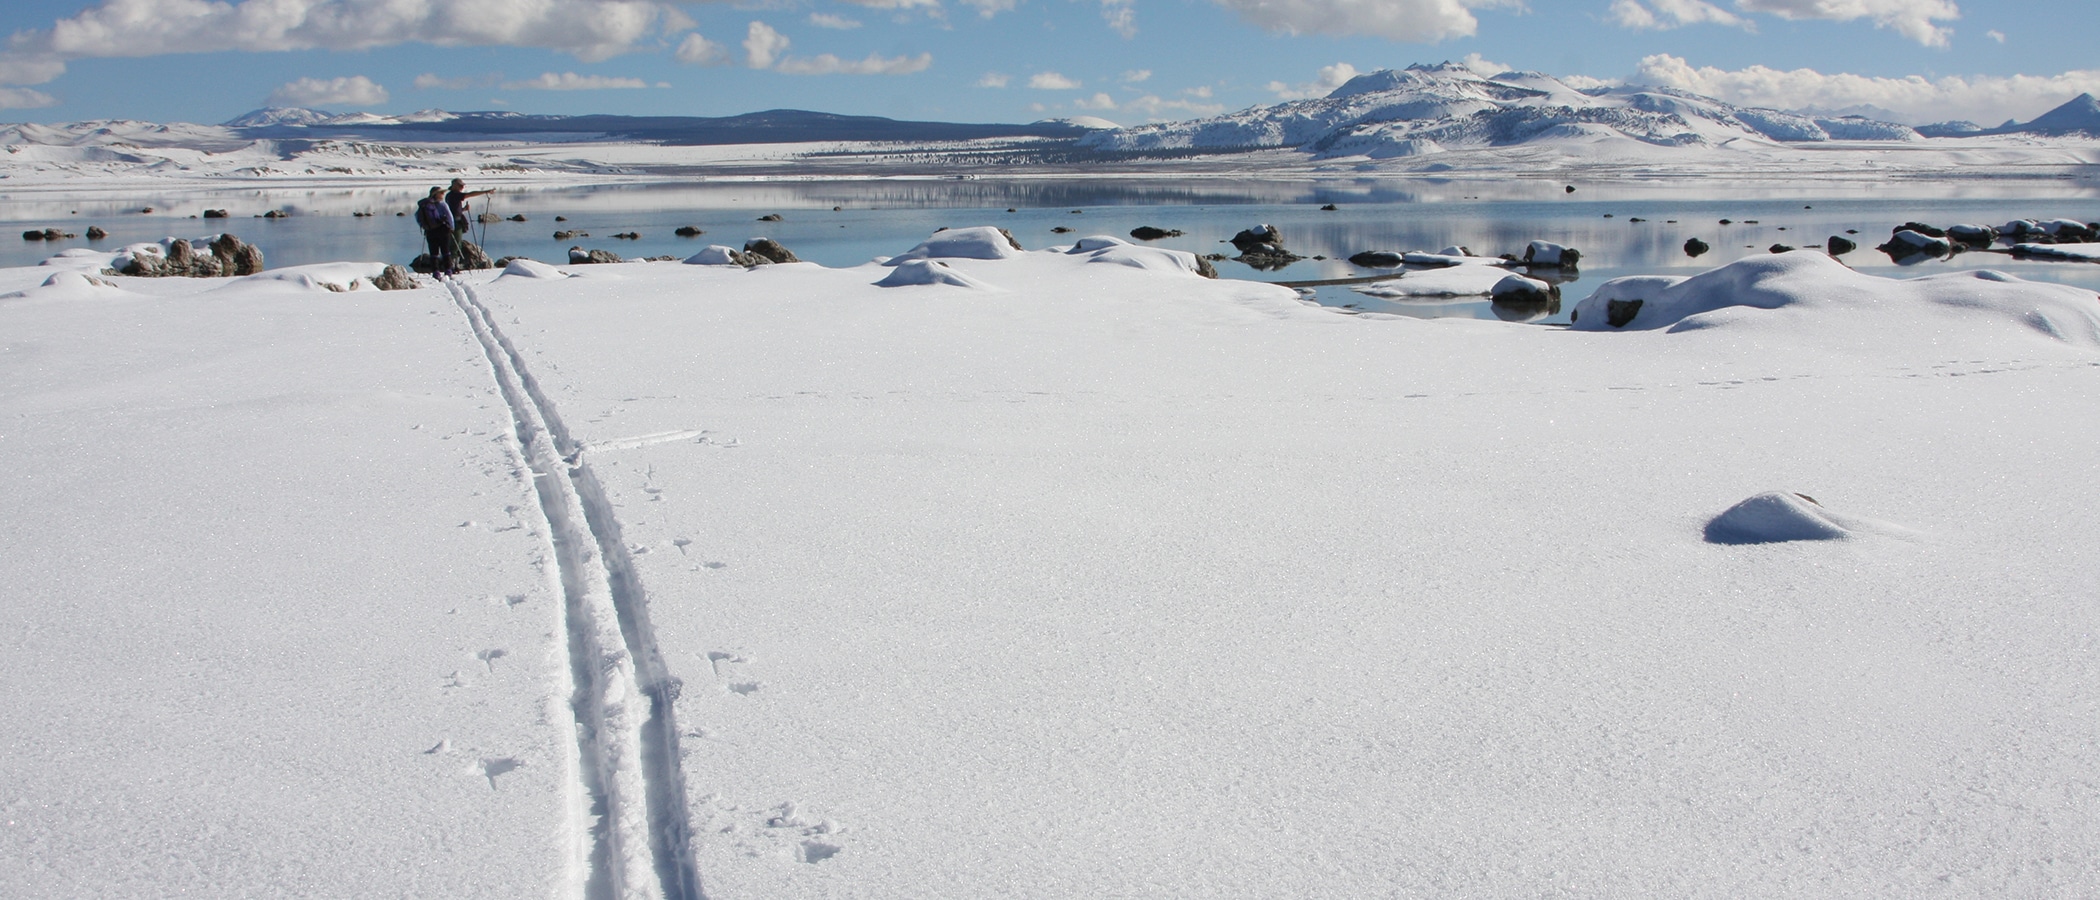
column 1129, row 61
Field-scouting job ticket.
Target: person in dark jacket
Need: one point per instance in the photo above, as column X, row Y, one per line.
column 456, row 201
column 435, row 217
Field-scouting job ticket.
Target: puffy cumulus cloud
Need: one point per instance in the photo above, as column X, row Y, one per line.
column 827, row 64
column 1098, row 101
column 570, row 81
column 1051, row 81
column 994, row 80
column 763, row 46
column 356, row 90
column 836, row 23
column 24, row 98
column 1331, row 77
column 1425, row 21
column 591, row 30
column 699, row 51
column 1914, row 19
column 1481, row 66
column 1985, row 99
column 1672, row 14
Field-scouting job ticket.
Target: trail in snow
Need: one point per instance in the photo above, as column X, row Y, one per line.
column 641, row 843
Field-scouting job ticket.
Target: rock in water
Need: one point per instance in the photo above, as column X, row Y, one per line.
column 1517, row 290
column 770, row 249
column 1838, row 246
column 1261, row 239
column 1694, row 247
column 688, row 231
column 1376, row 259
column 1149, row 233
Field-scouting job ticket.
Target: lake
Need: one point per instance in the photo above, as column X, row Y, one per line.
column 1621, row 228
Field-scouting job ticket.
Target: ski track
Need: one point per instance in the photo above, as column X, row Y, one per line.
column 640, row 845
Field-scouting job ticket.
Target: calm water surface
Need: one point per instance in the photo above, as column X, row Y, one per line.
column 886, row 217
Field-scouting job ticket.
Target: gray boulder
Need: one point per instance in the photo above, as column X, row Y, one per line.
column 772, row 251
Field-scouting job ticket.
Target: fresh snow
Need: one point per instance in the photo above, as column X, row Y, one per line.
column 1117, row 581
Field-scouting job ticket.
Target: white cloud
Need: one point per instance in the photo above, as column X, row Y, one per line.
column 1201, row 90
column 994, row 80
column 699, row 51
column 570, row 81
column 1098, row 101
column 1674, row 14
column 827, row 64
column 1121, row 17
column 24, row 98
column 1051, row 81
column 430, row 80
column 1157, row 109
column 591, row 30
column 1480, row 66
column 895, row 4
column 1401, row 20
column 990, row 8
column 763, row 46
column 356, row 90
column 1996, row 35
column 836, row 23
column 1986, row 99
column 1913, row 19
column 1331, row 77
column 1136, row 75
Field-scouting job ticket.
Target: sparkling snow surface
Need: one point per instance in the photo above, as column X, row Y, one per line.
column 1074, row 575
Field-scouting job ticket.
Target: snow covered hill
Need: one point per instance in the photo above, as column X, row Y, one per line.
column 1427, row 109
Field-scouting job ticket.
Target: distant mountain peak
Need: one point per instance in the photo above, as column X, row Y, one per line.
column 2080, row 115
column 280, row 115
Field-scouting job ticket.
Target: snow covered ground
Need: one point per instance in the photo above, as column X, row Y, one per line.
column 1072, row 574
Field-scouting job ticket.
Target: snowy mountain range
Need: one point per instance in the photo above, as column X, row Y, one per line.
column 1386, row 120
column 1427, row 109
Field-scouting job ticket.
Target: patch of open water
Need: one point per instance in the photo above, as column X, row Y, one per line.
column 1627, row 230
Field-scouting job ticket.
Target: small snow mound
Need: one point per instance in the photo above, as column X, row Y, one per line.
column 1094, row 242
column 1151, row 259
column 531, row 268
column 715, row 255
column 1774, row 517
column 926, row 271
column 981, row 242
column 67, row 286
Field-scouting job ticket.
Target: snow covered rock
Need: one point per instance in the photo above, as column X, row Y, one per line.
column 719, row 255
column 1907, row 243
column 579, row 257
column 1547, row 253
column 1814, row 283
column 1260, row 239
column 981, row 242
column 1152, row 259
column 1518, row 290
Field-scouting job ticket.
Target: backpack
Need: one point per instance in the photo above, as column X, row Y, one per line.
column 425, row 219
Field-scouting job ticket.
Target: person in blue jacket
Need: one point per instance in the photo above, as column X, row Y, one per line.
column 435, row 218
